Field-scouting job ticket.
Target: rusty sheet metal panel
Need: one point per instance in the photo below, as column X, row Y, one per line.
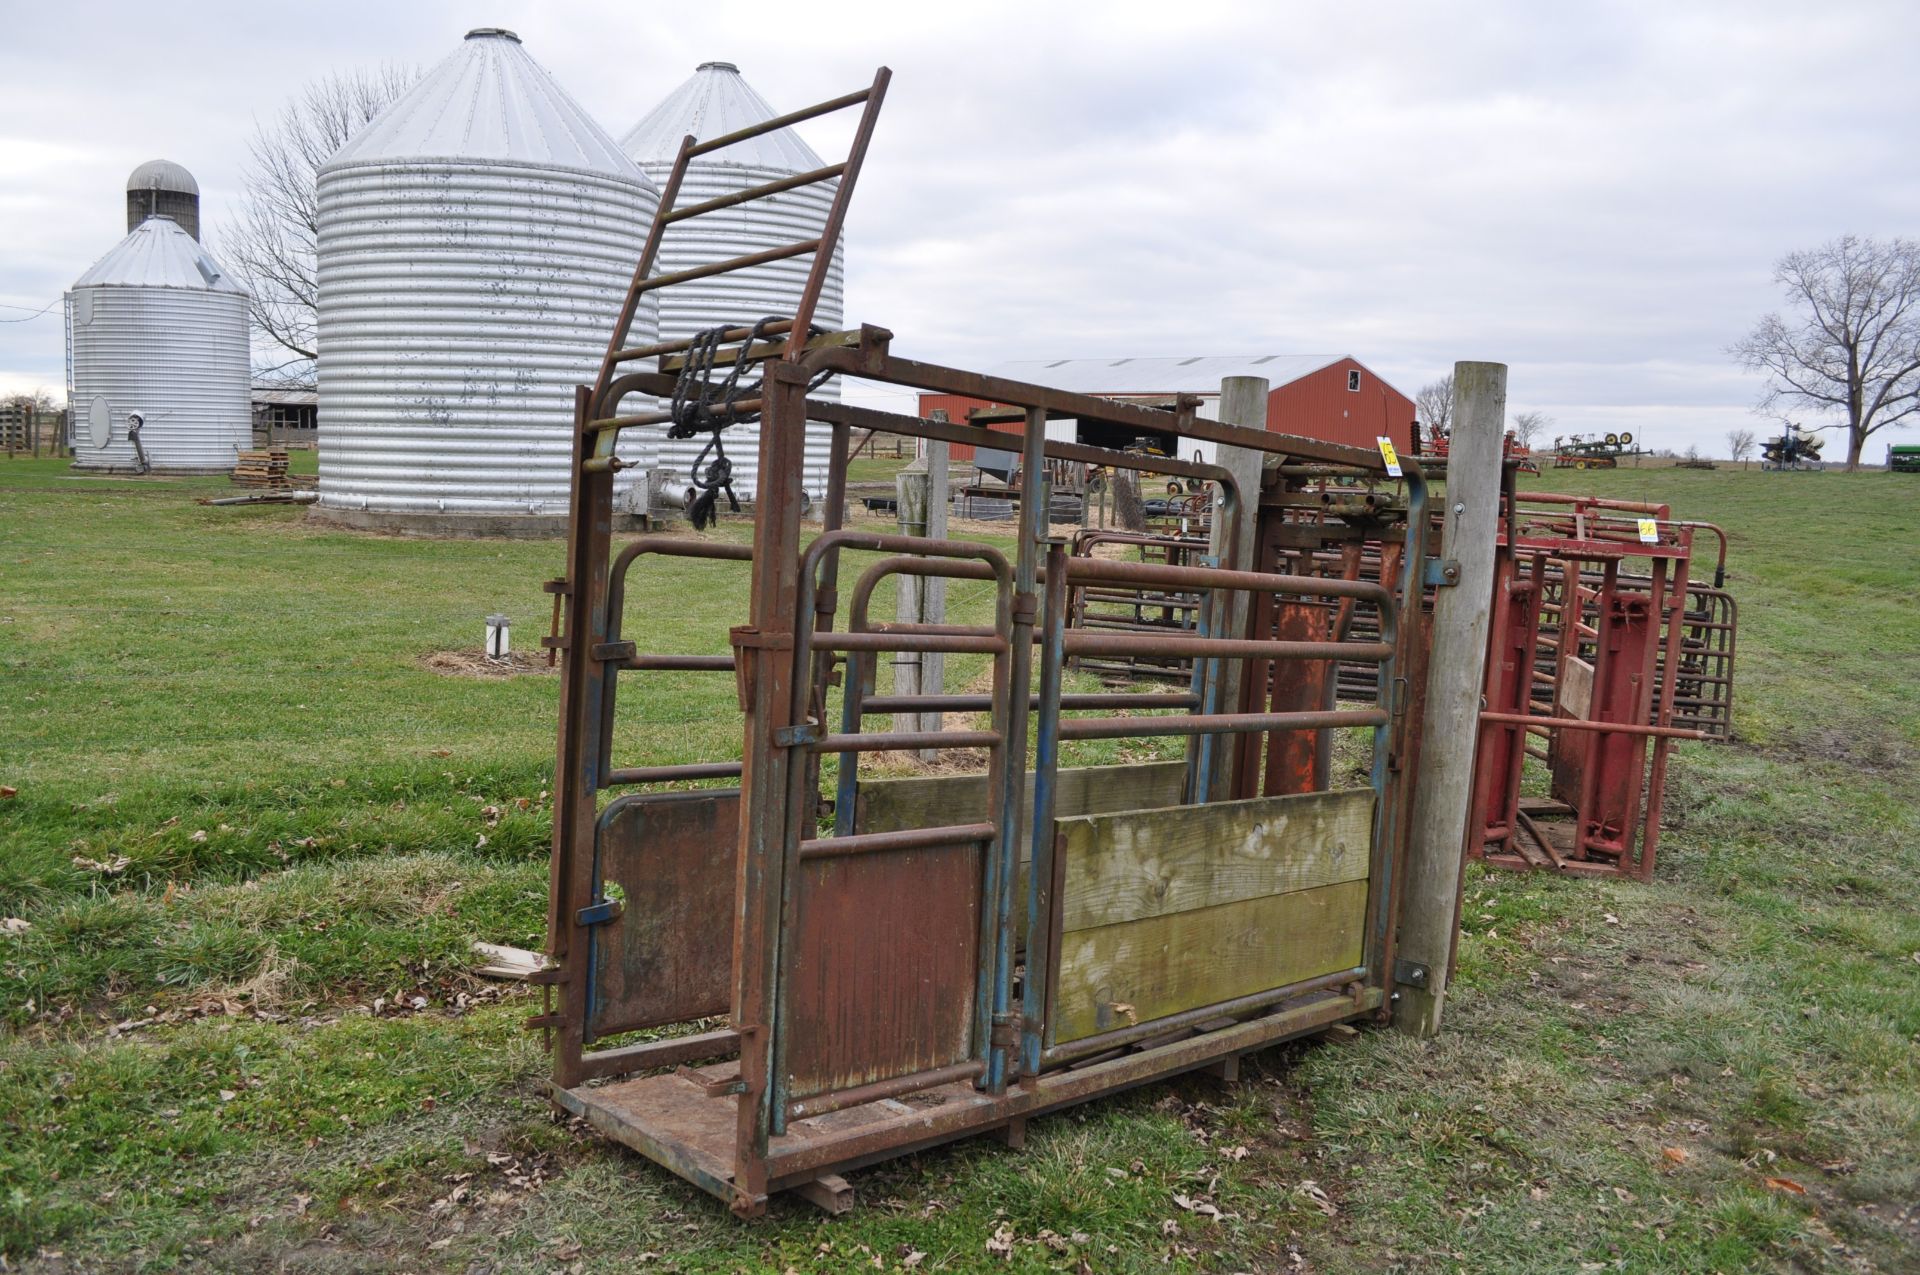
column 886, row 954
column 668, row 957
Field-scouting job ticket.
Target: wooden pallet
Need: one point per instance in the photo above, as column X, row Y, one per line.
column 264, row 467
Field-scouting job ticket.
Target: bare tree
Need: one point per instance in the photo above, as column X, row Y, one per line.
column 271, row 245
column 1528, row 426
column 1740, row 443
column 1851, row 348
column 1434, row 403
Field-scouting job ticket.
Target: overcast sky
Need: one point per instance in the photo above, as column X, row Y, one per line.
column 1592, row 193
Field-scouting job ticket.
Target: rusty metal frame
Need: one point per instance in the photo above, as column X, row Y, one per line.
column 736, row 1128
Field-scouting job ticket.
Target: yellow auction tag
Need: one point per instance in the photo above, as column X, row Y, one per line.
column 1649, row 532
column 1387, row 454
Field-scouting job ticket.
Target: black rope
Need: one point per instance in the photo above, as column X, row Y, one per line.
column 699, row 405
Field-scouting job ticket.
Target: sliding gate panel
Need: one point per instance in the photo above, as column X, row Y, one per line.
column 885, row 961
column 668, row 956
column 1170, row 910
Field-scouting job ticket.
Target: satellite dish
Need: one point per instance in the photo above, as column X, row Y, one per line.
column 99, row 422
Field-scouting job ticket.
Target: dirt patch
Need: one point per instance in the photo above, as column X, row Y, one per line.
column 1868, row 750
column 473, row 664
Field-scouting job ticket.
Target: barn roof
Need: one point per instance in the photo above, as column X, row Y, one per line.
column 1200, row 374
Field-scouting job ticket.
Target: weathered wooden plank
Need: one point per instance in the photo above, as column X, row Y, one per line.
column 1184, row 857
column 1576, row 687
column 925, row 801
column 1137, row 971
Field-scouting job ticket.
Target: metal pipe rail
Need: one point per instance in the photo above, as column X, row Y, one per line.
column 799, row 324
column 616, row 611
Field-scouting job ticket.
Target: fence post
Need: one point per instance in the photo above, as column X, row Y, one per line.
column 1243, row 401
column 1450, row 735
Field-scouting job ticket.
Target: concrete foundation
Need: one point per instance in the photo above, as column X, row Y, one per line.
column 461, row 526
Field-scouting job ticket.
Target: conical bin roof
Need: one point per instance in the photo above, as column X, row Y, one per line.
column 488, row 100
column 717, row 101
column 158, row 253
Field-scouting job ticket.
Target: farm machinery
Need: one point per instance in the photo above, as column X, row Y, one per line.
column 1440, row 444
column 1599, row 452
column 1795, row 448
column 772, row 967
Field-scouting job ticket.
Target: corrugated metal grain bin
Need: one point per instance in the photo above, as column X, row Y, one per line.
column 475, row 242
column 158, row 332
column 717, row 100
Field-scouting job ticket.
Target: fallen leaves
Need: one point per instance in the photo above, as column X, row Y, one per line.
column 1788, row 1185
column 107, row 868
column 14, row 925
column 1205, row 1208
column 1000, row 1243
column 1313, row 1193
column 1676, row 1155
column 8, row 792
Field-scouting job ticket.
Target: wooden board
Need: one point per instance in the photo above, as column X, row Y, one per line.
column 1200, row 856
column 1576, row 687
column 889, row 805
column 1182, row 960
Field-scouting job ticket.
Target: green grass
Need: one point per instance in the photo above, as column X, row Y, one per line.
column 256, row 1041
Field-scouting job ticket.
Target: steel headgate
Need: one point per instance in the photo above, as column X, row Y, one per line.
column 820, row 983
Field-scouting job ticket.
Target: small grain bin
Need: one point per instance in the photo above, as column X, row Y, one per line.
column 716, row 101
column 157, row 337
column 476, row 240
column 163, row 188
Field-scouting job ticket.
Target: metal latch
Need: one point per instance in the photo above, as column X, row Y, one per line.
column 1411, row 973
column 614, row 652
column 1441, row 573
column 599, row 912
column 797, row 734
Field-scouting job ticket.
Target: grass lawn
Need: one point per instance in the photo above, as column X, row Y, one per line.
column 256, row 830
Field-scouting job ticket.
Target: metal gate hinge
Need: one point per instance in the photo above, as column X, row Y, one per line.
column 1441, row 574
column 599, row 912
column 1411, row 973
column 1006, row 1030
column 561, row 586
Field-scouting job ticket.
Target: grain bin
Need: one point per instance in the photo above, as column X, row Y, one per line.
column 717, row 100
column 162, row 187
column 157, row 336
column 475, row 242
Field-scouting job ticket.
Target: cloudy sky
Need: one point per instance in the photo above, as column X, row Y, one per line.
column 1592, row 193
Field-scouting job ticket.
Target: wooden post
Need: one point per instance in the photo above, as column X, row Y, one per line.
column 1243, row 401
column 920, row 492
column 910, row 508
column 933, row 589
column 1450, row 735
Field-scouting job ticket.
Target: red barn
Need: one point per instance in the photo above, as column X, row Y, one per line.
column 1338, row 399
